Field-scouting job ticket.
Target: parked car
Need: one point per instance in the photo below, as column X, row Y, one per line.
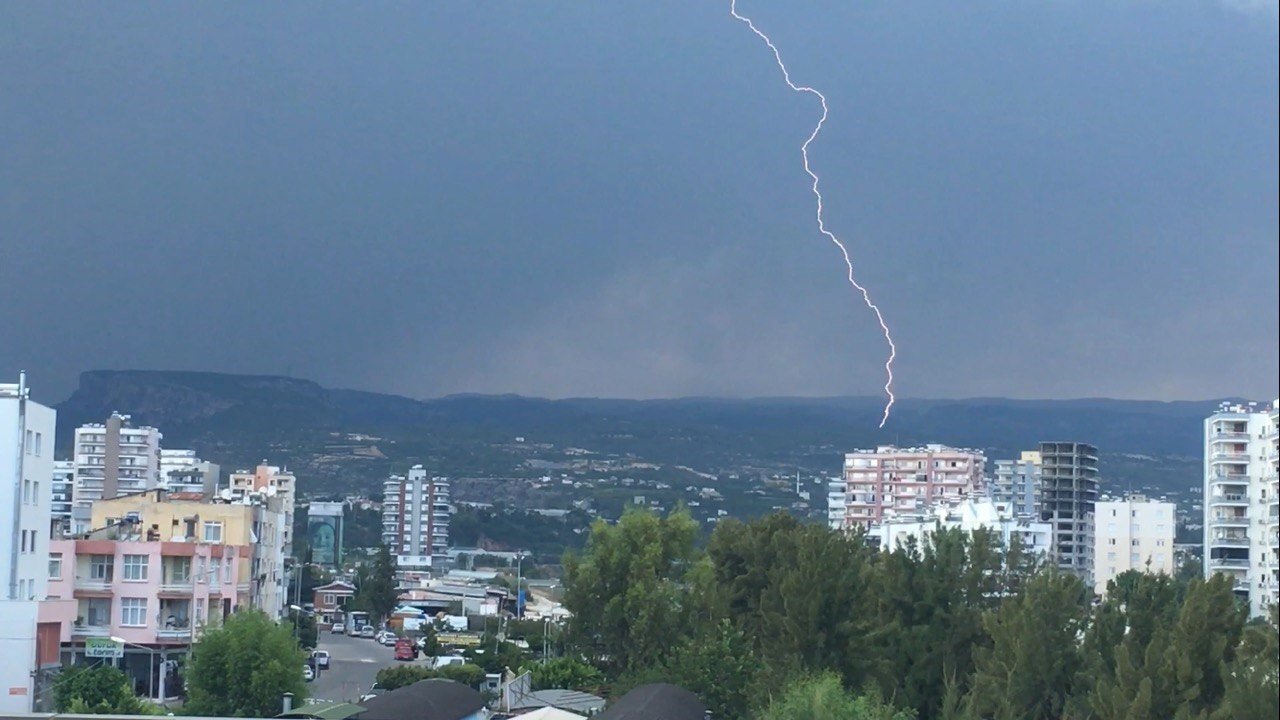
column 322, row 659
column 308, row 674
column 338, row 628
column 368, row 631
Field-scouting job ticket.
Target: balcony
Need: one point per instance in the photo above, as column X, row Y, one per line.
column 1229, row 499
column 1230, row 541
column 84, row 631
column 1229, row 479
column 176, row 586
column 1229, row 459
column 1229, row 521
column 1225, row 435
column 99, row 585
column 1230, row 563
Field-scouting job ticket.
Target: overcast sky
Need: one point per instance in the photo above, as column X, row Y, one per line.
column 1047, row 199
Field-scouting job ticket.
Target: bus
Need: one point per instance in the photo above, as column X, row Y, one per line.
column 356, row 620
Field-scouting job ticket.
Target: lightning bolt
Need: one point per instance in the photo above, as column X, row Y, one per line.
column 822, row 226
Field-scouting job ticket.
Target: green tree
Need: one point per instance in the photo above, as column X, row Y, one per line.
column 243, row 667
column 1180, row 672
column 1253, row 680
column 398, row 676
column 565, row 673
column 378, row 591
column 824, row 697
column 468, row 674
column 303, row 625
column 626, row 591
column 98, row 690
column 1033, row 667
column 717, row 665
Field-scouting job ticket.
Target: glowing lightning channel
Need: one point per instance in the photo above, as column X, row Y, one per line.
column 822, row 227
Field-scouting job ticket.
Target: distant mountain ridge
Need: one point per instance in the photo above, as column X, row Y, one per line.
column 251, row 416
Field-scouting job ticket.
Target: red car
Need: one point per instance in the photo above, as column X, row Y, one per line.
column 405, row 649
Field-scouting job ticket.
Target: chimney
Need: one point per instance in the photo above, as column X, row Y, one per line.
column 286, row 702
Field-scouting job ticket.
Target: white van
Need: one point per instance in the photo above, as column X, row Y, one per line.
column 446, row 660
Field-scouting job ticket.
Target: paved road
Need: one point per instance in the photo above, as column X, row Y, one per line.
column 353, row 663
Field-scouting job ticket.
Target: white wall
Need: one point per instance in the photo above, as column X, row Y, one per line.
column 1132, row 534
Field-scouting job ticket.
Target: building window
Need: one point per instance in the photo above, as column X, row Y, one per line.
column 39, row 442
column 215, row 569
column 328, row 599
column 55, row 566
column 133, row 612
column 101, row 567
column 97, row 612
column 213, row 532
column 135, row 567
column 201, row 574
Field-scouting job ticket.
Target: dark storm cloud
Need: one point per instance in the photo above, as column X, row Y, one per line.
column 1047, row 199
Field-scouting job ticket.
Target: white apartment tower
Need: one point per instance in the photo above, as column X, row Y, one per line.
column 26, row 490
column 1017, row 483
column 181, row 471
column 1134, row 533
column 114, row 458
column 890, row 481
column 26, row 476
column 415, row 519
column 1240, row 501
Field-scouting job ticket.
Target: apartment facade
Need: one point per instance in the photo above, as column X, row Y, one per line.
column 890, row 481
column 1240, row 501
column 1068, row 495
column 1017, row 483
column 972, row 514
column 186, row 518
column 114, row 458
column 1132, row 533
column 415, row 520
column 64, row 483
column 182, row 471
column 26, row 477
column 267, row 481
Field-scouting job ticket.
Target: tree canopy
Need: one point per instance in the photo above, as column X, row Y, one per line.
column 775, row 615
column 244, row 666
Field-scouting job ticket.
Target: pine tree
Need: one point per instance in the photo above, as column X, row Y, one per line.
column 1033, row 667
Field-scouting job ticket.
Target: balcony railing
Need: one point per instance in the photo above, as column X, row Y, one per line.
column 1229, row 542
column 1230, row 458
column 1227, row 563
column 97, row 584
column 1227, row 435
column 177, row 585
column 91, row 630
column 1229, row 499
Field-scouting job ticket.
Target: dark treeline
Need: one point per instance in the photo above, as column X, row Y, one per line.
column 775, row 620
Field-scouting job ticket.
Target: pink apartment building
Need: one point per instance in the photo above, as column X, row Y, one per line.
column 154, row 595
column 890, row 480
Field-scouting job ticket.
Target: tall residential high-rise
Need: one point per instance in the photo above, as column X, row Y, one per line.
column 1017, row 483
column 26, row 476
column 888, row 481
column 182, row 471
column 1240, row 501
column 1068, row 493
column 415, row 519
column 112, row 459
column 1133, row 533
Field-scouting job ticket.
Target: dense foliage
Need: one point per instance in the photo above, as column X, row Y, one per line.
column 398, row 676
column 98, row 690
column 376, row 585
column 242, row 668
column 775, row 616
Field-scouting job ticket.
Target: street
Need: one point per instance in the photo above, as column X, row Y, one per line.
column 353, row 664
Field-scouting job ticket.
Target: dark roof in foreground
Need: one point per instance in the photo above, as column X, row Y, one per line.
column 656, row 701
column 325, row 710
column 433, row 699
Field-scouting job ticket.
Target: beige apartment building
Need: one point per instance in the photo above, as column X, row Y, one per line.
column 1133, row 533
